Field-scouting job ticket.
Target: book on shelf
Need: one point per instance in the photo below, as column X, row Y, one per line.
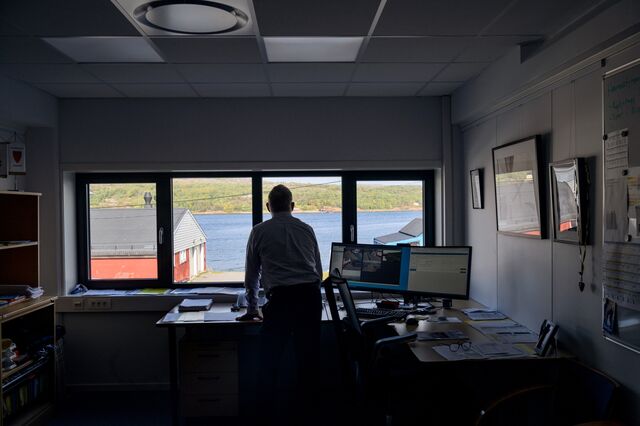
column 8, row 290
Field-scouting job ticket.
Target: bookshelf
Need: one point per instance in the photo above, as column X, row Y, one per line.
column 27, row 391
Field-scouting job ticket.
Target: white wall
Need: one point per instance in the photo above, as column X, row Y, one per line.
column 201, row 134
column 529, row 279
column 216, row 134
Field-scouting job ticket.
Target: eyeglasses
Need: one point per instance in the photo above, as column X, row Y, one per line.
column 464, row 345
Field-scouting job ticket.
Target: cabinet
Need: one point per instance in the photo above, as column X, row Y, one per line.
column 27, row 392
column 208, row 378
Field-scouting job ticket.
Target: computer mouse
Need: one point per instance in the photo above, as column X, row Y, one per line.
column 411, row 321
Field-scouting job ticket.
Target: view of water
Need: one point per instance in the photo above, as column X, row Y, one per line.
column 227, row 234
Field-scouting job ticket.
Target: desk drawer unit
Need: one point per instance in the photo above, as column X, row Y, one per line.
column 209, row 383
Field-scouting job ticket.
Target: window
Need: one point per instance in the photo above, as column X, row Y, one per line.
column 177, row 229
column 123, row 231
column 212, row 218
column 390, row 212
column 318, row 203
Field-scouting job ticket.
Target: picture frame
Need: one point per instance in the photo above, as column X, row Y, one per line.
column 570, row 202
column 520, row 202
column 17, row 159
column 477, row 188
column 546, row 338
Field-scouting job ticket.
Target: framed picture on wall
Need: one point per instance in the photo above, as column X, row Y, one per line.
column 519, row 205
column 569, row 197
column 477, row 188
column 17, row 159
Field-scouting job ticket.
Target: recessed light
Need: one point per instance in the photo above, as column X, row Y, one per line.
column 190, row 16
column 312, row 49
column 105, row 49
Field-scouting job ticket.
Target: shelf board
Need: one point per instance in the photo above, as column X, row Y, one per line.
column 7, row 374
column 17, row 245
column 36, row 194
column 19, row 309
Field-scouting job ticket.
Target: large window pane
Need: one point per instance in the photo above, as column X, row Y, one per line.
column 390, row 212
column 123, row 235
column 211, row 220
column 318, row 203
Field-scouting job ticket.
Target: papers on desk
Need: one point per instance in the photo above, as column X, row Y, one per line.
column 481, row 314
column 171, row 317
column 445, row 352
column 195, row 305
column 208, row 290
column 108, row 292
column 505, row 331
column 191, row 316
column 479, row 351
column 442, row 335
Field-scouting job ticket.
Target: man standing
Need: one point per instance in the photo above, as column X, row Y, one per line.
column 283, row 255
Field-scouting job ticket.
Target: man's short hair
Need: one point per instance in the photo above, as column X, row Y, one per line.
column 280, row 199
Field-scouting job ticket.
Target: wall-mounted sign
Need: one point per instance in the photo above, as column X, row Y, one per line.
column 17, row 159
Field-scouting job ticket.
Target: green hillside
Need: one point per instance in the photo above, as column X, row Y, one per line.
column 234, row 196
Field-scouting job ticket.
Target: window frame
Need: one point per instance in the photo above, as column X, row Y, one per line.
column 164, row 213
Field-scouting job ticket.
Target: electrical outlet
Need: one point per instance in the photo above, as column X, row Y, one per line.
column 97, row 304
column 78, row 304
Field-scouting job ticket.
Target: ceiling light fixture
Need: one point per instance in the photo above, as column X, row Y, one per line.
column 312, row 49
column 190, row 16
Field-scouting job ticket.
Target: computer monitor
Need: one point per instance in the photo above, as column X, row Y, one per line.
column 422, row 271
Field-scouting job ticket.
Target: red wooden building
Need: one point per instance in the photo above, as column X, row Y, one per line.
column 124, row 244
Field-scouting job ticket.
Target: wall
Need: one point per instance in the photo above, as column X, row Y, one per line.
column 215, row 134
column 529, row 279
column 246, row 134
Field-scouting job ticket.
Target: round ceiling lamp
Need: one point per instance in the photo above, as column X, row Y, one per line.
column 190, row 16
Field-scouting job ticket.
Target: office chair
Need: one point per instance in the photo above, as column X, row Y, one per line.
column 364, row 357
column 580, row 394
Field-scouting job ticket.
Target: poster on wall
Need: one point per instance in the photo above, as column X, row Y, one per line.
column 17, row 159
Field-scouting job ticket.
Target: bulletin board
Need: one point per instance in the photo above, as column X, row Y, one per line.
column 621, row 207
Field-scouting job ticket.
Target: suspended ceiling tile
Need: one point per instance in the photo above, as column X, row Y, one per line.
column 383, row 89
column 105, row 49
column 48, row 73
column 233, row 90
column 68, row 18
column 29, row 50
column 80, row 90
column 539, row 17
column 308, row 89
column 156, row 90
column 462, row 71
column 488, row 49
column 314, row 17
column 310, row 72
column 437, row 17
column 439, row 89
column 397, row 72
column 134, row 73
column 222, row 73
column 201, row 50
column 312, row 49
column 414, row 49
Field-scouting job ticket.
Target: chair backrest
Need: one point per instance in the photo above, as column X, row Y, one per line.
column 523, row 407
column 349, row 307
column 584, row 394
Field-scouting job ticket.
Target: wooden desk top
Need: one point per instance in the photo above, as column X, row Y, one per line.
column 424, row 350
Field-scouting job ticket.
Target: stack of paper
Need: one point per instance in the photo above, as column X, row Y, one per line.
column 192, row 305
column 506, row 332
column 481, row 314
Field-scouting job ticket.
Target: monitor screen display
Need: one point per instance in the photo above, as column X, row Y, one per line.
column 429, row 271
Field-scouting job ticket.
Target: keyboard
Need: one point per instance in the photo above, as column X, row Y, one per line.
column 372, row 313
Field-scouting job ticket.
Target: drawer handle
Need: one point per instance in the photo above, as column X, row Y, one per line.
column 209, row 400
column 208, row 379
